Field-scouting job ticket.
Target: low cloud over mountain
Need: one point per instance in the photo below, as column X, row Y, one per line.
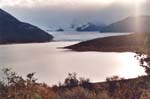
column 63, row 13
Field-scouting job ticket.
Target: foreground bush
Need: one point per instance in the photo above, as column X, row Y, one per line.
column 16, row 87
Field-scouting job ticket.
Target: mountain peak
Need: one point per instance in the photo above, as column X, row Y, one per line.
column 6, row 16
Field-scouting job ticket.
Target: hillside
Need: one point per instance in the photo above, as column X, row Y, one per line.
column 14, row 31
column 124, row 43
column 130, row 24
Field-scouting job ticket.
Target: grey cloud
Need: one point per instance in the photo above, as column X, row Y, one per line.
column 61, row 16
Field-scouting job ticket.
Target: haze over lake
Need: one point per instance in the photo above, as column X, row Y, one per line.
column 52, row 64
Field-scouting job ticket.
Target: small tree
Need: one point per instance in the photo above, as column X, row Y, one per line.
column 71, row 80
column 144, row 55
column 85, row 83
column 144, row 60
column 112, row 81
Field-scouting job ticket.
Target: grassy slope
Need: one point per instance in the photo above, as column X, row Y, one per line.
column 124, row 43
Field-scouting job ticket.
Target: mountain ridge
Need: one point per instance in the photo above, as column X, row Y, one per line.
column 129, row 24
column 13, row 30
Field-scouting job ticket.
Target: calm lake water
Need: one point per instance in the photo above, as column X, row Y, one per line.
column 52, row 65
column 81, row 36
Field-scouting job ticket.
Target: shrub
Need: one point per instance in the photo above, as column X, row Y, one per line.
column 15, row 87
column 71, row 80
column 114, row 78
column 144, row 60
column 77, row 93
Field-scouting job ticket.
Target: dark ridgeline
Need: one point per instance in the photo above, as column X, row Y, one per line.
column 130, row 24
column 123, row 43
column 14, row 31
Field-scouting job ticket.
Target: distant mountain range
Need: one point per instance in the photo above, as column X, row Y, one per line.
column 130, row 24
column 14, row 31
column 90, row 27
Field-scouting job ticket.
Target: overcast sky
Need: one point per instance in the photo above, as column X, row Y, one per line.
column 62, row 13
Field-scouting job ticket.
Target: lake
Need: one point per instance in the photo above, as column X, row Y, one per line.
column 52, row 64
column 81, row 36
